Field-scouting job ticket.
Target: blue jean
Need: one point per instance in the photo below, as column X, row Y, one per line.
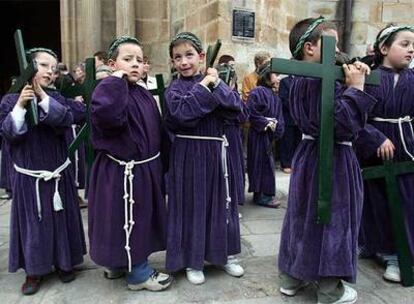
column 139, row 273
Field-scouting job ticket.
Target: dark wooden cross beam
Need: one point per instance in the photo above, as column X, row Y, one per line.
column 212, row 52
column 389, row 171
column 328, row 72
column 27, row 72
column 84, row 134
column 159, row 91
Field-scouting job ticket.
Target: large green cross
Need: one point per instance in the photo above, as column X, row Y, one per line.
column 390, row 170
column 27, row 72
column 212, row 52
column 328, row 72
column 159, row 91
column 86, row 91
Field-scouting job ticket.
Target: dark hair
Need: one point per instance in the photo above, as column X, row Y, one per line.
column 113, row 50
column 102, row 55
column 225, row 59
column 264, row 75
column 301, row 27
column 186, row 37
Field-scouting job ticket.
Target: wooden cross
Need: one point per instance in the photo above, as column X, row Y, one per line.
column 84, row 134
column 390, row 170
column 212, row 52
column 27, row 72
column 328, row 72
column 159, row 91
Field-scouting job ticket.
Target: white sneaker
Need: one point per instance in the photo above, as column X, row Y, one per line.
column 156, row 282
column 392, row 273
column 350, row 296
column 195, row 277
column 233, row 267
column 293, row 291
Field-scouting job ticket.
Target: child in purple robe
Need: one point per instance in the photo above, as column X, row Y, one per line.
column 127, row 210
column 312, row 252
column 46, row 225
column 266, row 125
column 389, row 135
column 203, row 222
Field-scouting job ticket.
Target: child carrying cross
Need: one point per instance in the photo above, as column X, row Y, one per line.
column 311, row 252
column 46, row 227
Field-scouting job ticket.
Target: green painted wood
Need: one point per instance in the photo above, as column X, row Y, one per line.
column 389, row 171
column 27, row 72
column 159, row 91
column 328, row 72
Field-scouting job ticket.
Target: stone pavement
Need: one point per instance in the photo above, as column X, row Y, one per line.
column 260, row 229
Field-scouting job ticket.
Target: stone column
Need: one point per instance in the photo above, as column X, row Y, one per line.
column 69, row 37
column 125, row 17
column 90, row 28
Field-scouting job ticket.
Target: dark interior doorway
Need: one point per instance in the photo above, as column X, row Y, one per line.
column 40, row 25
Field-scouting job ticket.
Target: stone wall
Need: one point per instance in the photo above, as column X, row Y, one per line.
column 90, row 25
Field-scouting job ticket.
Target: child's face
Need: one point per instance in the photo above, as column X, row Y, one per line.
column 147, row 66
column 46, row 66
column 186, row 59
column 401, row 52
column 274, row 81
column 313, row 52
column 130, row 60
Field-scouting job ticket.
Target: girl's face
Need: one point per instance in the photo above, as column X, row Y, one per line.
column 186, row 59
column 130, row 60
column 46, row 66
column 401, row 52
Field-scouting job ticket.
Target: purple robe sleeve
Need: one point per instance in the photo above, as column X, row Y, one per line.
column 257, row 107
column 109, row 103
column 228, row 98
column 78, row 109
column 280, row 127
column 57, row 116
column 351, row 112
column 8, row 126
column 185, row 109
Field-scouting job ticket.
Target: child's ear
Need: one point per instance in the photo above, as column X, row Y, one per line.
column 384, row 50
column 308, row 49
column 202, row 56
column 112, row 64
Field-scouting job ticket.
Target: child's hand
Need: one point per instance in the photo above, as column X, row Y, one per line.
column 213, row 72
column 386, row 150
column 39, row 90
column 120, row 73
column 207, row 80
column 355, row 74
column 26, row 95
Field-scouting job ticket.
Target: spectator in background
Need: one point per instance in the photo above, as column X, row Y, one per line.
column 250, row 81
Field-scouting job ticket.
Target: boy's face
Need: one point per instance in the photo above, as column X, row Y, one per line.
column 401, row 52
column 186, row 59
column 130, row 60
column 46, row 65
column 313, row 52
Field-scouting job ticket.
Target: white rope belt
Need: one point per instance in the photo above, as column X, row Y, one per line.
column 343, row 143
column 129, row 198
column 46, row 176
column 224, row 146
column 400, row 121
column 76, row 158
